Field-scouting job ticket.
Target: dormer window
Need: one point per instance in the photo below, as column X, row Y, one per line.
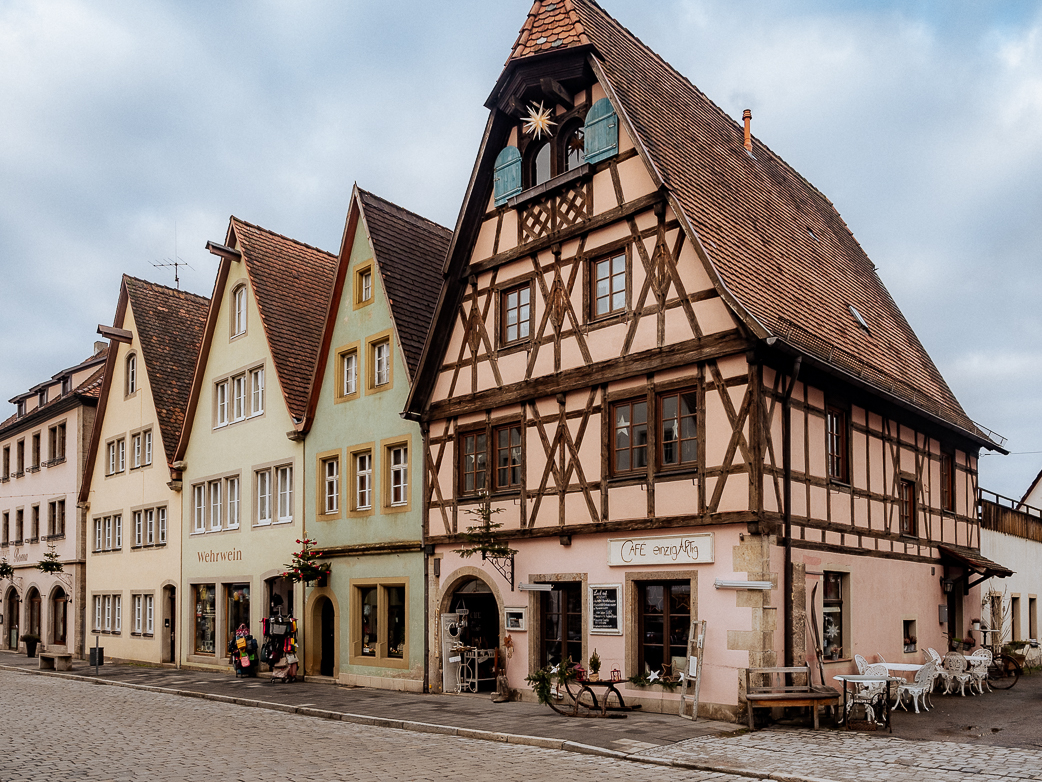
column 66, row 385
column 239, row 314
column 41, row 398
column 20, row 407
column 131, row 374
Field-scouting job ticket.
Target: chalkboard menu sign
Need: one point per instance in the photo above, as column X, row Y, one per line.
column 606, row 609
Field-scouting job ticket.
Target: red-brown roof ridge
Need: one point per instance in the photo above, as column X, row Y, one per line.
column 550, row 25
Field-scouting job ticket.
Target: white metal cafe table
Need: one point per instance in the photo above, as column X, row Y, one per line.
column 881, row 701
column 912, row 668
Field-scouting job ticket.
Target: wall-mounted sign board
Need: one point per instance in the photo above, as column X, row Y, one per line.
column 606, row 609
column 661, row 550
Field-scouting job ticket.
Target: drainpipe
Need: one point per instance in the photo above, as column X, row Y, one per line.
column 425, row 431
column 787, row 501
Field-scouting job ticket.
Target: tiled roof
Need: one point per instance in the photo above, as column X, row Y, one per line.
column 88, row 389
column 780, row 247
column 91, row 387
column 410, row 251
column 974, row 560
column 551, row 24
column 170, row 327
column 292, row 282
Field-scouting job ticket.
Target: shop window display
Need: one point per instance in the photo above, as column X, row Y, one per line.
column 395, row 621
column 238, row 608
column 832, row 616
column 562, row 624
column 665, row 619
column 205, row 619
column 370, row 620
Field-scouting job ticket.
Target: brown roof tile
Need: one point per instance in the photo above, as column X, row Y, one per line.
column 551, row 24
column 170, row 327
column 410, row 251
column 292, row 283
column 779, row 245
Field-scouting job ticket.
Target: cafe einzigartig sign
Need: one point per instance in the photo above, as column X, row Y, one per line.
column 661, row 550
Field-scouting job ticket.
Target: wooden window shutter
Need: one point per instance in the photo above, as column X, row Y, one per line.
column 602, row 132
column 508, row 175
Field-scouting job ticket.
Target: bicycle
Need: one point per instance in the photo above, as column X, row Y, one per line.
column 1003, row 671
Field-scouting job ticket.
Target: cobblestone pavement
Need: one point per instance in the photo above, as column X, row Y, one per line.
column 856, row 757
column 60, row 729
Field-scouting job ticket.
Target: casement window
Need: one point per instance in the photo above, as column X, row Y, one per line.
column 257, row 391
column 138, row 600
column 678, row 428
column 947, row 481
column 19, row 526
column 399, row 474
column 108, row 613
column 215, row 505
column 331, row 485
column 379, row 630
column 473, row 462
column 238, row 397
column 147, row 459
column 57, row 445
column 367, row 286
column 837, row 424
column 135, row 451
column 56, row 519
column 239, row 313
column 117, row 530
column 99, row 534
column 199, row 507
column 161, row 523
column 36, row 451
column 111, row 449
column 907, row 508
column 35, row 529
column 98, row 620
column 284, row 483
column 665, row 620
column 381, row 363
column 363, row 285
column 108, row 533
column 508, row 457
column 263, row 482
column 608, row 279
column 139, row 528
column 131, row 374
column 221, row 414
column 20, row 453
column 117, row 613
column 561, row 624
column 363, row 481
column 232, row 490
column 7, row 462
column 833, row 615
column 150, row 527
column 121, row 455
column 515, row 307
column 629, row 436
column 349, row 373
column 150, row 614
column 5, row 535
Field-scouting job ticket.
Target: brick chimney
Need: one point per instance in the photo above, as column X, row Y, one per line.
column 747, row 117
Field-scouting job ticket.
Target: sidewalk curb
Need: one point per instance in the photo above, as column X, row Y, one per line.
column 424, row 727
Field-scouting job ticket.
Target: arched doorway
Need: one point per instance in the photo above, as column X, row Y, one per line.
column 33, row 614
column 327, row 640
column 168, row 644
column 478, row 610
column 13, row 611
column 470, row 619
column 59, row 617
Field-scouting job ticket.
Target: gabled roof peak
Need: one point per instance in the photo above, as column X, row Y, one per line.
column 551, row 24
column 274, row 234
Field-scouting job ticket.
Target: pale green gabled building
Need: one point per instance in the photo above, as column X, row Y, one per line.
column 364, row 503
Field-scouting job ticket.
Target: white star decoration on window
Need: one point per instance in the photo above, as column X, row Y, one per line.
column 538, row 120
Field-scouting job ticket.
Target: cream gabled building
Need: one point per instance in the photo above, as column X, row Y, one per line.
column 241, row 447
column 132, row 503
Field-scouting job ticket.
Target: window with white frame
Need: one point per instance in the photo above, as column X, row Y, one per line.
column 263, row 478
column 232, row 490
column 367, row 286
column 150, row 612
column 382, row 363
column 99, row 539
column 108, row 613
column 363, row 481
column 198, row 507
column 161, row 523
column 137, row 614
column 108, row 533
column 349, row 373
column 215, row 505
column 257, row 391
column 238, row 397
column 117, row 613
column 131, row 374
column 148, row 447
column 117, row 530
column 112, row 457
column 221, row 402
column 399, row 475
column 135, row 451
column 121, row 455
column 331, row 483
column 150, row 527
column 139, row 528
column 97, row 613
column 284, row 480
column 239, row 323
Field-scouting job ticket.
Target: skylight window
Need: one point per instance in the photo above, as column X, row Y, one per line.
column 859, row 319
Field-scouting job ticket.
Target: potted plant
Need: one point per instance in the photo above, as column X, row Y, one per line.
column 595, row 667
column 975, row 625
column 31, row 642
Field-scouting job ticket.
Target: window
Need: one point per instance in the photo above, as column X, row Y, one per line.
column 399, row 458
column 150, row 614
column 161, row 514
column 117, row 613
column 57, row 444
column 263, row 497
column 117, row 530
column 232, row 486
column 833, row 616
column 257, row 391
column 239, row 315
column 348, row 374
column 836, row 442
column 239, row 397
column 7, row 462
column 381, row 363
column 561, row 624
column 138, row 599
column 36, row 451
column 629, row 436
column 363, row 481
column 135, row 451
column 112, row 458
column 35, row 533
column 131, row 374
column 215, row 505
column 1032, row 617
column 204, row 597
column 284, row 481
column 609, row 285
column 20, row 447
column 331, row 485
column 198, row 507
column 367, row 286
column 97, row 613
column 108, row 613
column 108, row 533
column 363, row 284
column 150, row 527
column 139, row 528
column 515, row 314
column 508, row 457
column 379, row 628
column 1014, row 610
column 221, row 415
column 474, row 462
column 121, row 455
column 678, row 428
column 539, row 155
column 56, row 519
column 148, row 447
column 947, row 481
column 665, row 619
column 19, row 526
column 907, row 508
column 5, row 535
column 99, row 534
column 573, row 151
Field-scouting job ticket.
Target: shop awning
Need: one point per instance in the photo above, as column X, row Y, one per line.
column 975, row 563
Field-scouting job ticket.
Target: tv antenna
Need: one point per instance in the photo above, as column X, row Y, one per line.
column 175, row 263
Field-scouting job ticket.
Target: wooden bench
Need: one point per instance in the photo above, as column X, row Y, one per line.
column 778, row 692
column 55, row 661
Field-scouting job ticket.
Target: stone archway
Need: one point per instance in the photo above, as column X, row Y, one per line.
column 470, row 589
column 322, row 634
column 57, row 632
column 12, row 617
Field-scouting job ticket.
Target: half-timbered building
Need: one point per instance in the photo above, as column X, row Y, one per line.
column 666, row 366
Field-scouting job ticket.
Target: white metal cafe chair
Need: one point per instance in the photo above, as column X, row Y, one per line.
column 978, row 663
column 867, row 693
column 919, row 687
column 954, row 672
column 861, row 663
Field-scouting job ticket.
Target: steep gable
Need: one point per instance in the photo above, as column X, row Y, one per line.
column 551, row 24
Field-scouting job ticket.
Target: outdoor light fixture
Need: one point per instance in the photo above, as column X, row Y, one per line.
column 536, row 587
column 946, row 585
column 722, row 584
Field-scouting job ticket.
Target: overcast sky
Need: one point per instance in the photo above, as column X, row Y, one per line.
column 921, row 121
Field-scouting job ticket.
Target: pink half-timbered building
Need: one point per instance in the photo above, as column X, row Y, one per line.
column 663, row 357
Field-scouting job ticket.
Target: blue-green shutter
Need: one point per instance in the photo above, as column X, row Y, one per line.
column 602, row 132
column 508, row 174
